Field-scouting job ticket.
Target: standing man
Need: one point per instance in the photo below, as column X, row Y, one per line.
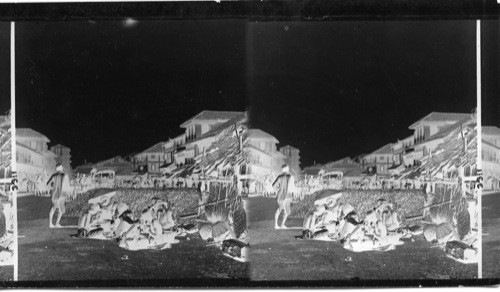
column 60, row 189
column 283, row 185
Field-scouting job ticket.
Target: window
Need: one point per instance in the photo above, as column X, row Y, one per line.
column 152, row 156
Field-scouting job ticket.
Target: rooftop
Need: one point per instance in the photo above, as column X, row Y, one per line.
column 61, row 146
column 447, row 130
column 27, row 147
column 214, row 115
column 84, row 169
column 439, row 116
column 344, row 161
column 30, row 133
column 312, row 170
column 259, row 134
column 156, row 148
column 289, row 146
column 386, row 149
column 217, row 129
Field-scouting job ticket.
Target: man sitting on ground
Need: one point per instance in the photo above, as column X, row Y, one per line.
column 88, row 223
column 147, row 233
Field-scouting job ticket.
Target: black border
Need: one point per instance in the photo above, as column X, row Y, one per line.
column 256, row 10
column 305, row 10
column 247, row 283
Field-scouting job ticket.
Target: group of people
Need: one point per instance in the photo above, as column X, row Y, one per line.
column 156, row 227
column 337, row 221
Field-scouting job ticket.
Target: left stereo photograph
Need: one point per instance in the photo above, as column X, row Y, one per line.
column 7, row 187
column 8, row 177
column 129, row 149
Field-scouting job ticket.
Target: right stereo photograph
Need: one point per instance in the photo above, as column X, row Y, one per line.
column 379, row 175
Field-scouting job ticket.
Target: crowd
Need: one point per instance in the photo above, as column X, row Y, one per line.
column 379, row 229
column 157, row 227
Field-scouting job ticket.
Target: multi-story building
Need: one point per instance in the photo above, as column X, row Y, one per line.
column 292, row 158
column 121, row 167
column 34, row 160
column 491, row 157
column 430, row 131
column 351, row 170
column 264, row 159
column 113, row 160
column 207, row 128
column 63, row 156
column 201, row 131
column 151, row 159
column 379, row 161
column 170, row 148
column 5, row 147
column 400, row 148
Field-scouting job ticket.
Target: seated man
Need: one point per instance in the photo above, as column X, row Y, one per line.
column 374, row 235
column 88, row 223
column 385, row 213
column 165, row 215
column 351, row 226
column 312, row 222
column 123, row 220
column 146, row 234
column 166, row 218
column 375, row 226
column 345, row 209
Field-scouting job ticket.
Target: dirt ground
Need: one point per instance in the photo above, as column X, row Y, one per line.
column 6, row 273
column 53, row 255
column 491, row 236
column 277, row 256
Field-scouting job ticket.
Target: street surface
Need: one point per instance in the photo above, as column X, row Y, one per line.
column 491, row 235
column 52, row 254
column 277, row 255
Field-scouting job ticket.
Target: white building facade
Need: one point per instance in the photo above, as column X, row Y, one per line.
column 34, row 161
column 491, row 157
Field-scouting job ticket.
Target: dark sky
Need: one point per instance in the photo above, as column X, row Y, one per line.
column 332, row 89
column 4, row 67
column 346, row 88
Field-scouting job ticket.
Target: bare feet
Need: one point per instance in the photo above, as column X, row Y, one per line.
column 284, row 227
column 51, row 225
column 276, row 227
column 58, row 225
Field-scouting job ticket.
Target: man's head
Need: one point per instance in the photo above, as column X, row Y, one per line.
column 285, row 168
column 120, row 209
column 94, row 208
column 59, row 167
